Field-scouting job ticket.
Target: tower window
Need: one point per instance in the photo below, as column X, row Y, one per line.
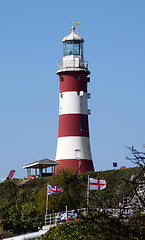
column 61, row 79
column 81, row 126
column 78, row 77
column 61, row 94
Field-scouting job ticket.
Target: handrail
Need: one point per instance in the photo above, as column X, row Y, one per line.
column 55, row 218
column 76, row 63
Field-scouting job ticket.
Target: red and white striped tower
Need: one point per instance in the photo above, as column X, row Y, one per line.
column 73, row 144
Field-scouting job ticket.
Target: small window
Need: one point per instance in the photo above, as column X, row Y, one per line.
column 78, row 93
column 81, row 126
column 61, row 79
column 78, row 77
column 61, row 94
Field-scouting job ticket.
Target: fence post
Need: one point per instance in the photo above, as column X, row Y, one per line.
column 66, row 213
column 50, row 218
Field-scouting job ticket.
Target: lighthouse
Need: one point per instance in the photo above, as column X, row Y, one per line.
column 73, row 143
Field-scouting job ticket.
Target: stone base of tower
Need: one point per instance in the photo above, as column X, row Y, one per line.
column 76, row 165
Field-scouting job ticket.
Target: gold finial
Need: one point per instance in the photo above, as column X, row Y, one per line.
column 72, row 28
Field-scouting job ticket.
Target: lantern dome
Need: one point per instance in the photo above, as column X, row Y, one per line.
column 73, row 36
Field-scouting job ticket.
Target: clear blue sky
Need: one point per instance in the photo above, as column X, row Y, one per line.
column 31, row 33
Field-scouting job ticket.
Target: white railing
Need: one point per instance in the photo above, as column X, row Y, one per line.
column 72, row 64
column 69, row 215
column 60, row 217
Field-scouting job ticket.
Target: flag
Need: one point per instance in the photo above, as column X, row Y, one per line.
column 53, row 190
column 96, row 184
column 77, row 23
column 11, row 174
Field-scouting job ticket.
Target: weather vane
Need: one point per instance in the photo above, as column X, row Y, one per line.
column 73, row 23
column 77, row 23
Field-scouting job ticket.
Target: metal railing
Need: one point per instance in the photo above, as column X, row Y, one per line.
column 60, row 217
column 54, row 219
column 76, row 63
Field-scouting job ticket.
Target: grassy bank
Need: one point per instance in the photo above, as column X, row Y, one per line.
column 23, row 203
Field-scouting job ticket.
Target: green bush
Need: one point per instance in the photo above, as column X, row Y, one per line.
column 99, row 226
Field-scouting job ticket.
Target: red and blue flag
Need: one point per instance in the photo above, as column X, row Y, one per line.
column 54, row 190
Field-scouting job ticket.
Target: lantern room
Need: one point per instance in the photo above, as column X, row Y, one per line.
column 72, row 53
column 73, row 44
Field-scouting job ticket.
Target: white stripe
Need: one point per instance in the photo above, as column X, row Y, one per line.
column 73, row 103
column 73, row 148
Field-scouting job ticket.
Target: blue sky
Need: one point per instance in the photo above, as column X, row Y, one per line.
column 31, row 33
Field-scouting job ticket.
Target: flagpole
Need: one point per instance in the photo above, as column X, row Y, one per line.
column 46, row 203
column 88, row 187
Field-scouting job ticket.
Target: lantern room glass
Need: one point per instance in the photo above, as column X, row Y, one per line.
column 73, row 48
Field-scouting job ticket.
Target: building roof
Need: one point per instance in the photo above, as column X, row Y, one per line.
column 43, row 163
column 73, row 36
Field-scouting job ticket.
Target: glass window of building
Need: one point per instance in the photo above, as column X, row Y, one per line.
column 73, row 48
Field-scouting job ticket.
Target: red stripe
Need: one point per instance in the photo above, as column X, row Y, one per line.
column 73, row 125
column 71, row 83
column 73, row 164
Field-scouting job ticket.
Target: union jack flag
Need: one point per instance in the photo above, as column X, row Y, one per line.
column 53, row 190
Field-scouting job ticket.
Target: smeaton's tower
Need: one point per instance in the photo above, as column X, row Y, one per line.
column 73, row 144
